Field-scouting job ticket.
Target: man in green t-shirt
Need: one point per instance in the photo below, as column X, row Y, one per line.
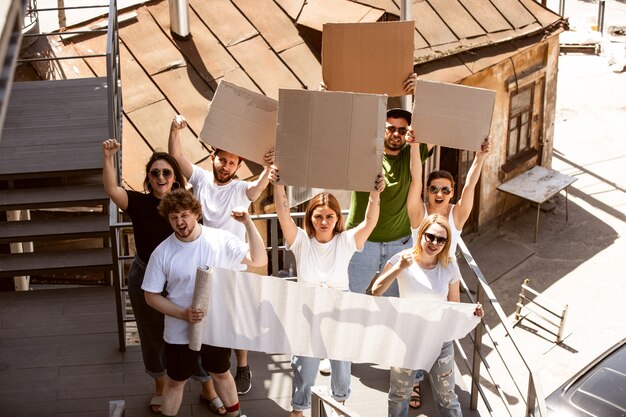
column 393, row 230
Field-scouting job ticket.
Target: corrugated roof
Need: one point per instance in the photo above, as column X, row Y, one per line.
column 265, row 45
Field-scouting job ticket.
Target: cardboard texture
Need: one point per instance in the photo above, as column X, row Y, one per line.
column 452, row 115
column 240, row 121
column 374, row 58
column 330, row 140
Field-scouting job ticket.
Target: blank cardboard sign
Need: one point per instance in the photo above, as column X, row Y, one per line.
column 330, row 140
column 452, row 115
column 373, row 58
column 240, row 121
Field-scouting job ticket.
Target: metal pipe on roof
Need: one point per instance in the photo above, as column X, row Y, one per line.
column 405, row 14
column 179, row 19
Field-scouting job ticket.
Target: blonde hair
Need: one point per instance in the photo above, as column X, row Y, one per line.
column 443, row 257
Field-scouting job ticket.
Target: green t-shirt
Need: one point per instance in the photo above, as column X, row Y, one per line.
column 393, row 220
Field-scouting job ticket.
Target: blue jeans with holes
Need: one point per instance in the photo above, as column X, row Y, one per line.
column 304, row 375
column 366, row 264
column 442, row 382
column 150, row 326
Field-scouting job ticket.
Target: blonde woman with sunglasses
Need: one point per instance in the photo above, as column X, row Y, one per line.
column 426, row 270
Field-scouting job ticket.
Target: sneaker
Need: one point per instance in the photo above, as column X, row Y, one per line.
column 243, row 380
column 325, row 367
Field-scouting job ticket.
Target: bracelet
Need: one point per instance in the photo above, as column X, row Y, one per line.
column 375, row 202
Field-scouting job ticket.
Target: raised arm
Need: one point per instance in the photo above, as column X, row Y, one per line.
column 463, row 207
column 365, row 228
column 256, row 187
column 390, row 273
column 257, row 255
column 414, row 203
column 109, row 178
column 287, row 225
column 174, row 146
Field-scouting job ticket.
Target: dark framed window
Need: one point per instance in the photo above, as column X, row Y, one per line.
column 520, row 117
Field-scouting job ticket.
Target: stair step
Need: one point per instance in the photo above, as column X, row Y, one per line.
column 67, row 226
column 17, row 264
column 66, row 196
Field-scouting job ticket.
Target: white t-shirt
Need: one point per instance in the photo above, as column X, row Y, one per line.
column 324, row 264
column 416, row 281
column 176, row 263
column 218, row 201
column 456, row 234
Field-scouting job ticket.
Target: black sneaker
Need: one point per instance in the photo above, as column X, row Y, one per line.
column 243, row 380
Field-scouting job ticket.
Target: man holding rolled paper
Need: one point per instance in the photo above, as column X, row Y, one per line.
column 175, row 262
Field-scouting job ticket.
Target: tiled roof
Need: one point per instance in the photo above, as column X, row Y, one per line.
column 265, row 45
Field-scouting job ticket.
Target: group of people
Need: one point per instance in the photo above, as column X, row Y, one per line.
column 392, row 243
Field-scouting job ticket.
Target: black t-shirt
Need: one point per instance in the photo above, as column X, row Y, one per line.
column 149, row 226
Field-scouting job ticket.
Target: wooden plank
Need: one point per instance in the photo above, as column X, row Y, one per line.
column 224, row 20
column 188, row 93
column 271, row 22
column 317, row 12
column 154, row 122
column 240, row 78
column 387, row 5
column 264, row 67
column 544, row 16
column 483, row 58
column 203, row 51
column 304, row 64
column 291, row 7
column 74, row 260
column 514, row 12
column 430, row 25
column 66, row 227
column 51, row 196
column 142, row 39
column 448, row 70
column 457, row 18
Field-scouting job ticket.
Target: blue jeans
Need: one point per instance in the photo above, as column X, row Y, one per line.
column 372, row 259
column 441, row 377
column 150, row 326
column 304, row 374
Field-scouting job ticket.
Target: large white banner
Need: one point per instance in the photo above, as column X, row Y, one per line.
column 268, row 314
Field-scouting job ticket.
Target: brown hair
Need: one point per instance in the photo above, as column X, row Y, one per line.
column 443, row 257
column 323, row 200
column 218, row 150
column 164, row 156
column 177, row 201
column 440, row 174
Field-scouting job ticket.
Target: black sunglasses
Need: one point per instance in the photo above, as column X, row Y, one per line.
column 401, row 130
column 433, row 189
column 438, row 240
column 167, row 173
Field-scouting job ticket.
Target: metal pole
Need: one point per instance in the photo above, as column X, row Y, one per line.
column 562, row 7
column 405, row 14
column 601, row 5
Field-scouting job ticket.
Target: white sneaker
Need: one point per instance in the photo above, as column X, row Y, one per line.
column 325, row 367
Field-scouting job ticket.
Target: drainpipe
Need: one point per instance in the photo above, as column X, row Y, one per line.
column 179, row 19
column 405, row 14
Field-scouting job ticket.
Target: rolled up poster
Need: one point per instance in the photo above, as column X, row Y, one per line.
column 200, row 300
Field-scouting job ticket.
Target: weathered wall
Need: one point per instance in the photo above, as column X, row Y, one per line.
column 534, row 60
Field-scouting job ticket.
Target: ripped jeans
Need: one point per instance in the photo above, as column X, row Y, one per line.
column 441, row 381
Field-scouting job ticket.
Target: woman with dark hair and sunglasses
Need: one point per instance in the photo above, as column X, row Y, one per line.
column 323, row 250
column 150, row 228
column 426, row 270
column 440, row 186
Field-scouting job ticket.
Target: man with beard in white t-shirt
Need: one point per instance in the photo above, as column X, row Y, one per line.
column 219, row 193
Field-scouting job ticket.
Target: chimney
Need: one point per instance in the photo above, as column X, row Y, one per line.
column 179, row 19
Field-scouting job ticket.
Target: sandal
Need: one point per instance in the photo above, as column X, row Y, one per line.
column 215, row 405
column 155, row 404
column 416, row 397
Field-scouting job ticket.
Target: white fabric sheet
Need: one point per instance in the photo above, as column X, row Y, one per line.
column 268, row 314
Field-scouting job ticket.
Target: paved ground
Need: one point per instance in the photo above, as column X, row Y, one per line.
column 581, row 262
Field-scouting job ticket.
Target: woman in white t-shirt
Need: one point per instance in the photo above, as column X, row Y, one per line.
column 323, row 251
column 427, row 270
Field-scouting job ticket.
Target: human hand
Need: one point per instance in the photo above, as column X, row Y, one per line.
column 409, row 84
column 406, row 260
column 379, row 185
column 322, row 87
column 480, row 312
column 486, row 145
column 194, row 315
column 110, row 147
column 410, row 137
column 240, row 214
column 268, row 158
column 179, row 122
column 273, row 176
